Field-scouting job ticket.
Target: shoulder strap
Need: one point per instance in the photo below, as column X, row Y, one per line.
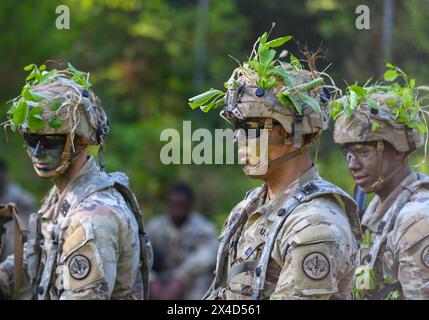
column 146, row 253
column 390, row 215
column 237, row 221
column 309, row 191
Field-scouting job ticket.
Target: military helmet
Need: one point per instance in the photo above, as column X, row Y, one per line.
column 368, row 123
column 248, row 100
column 59, row 102
column 68, row 108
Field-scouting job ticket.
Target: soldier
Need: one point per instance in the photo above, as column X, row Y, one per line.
column 87, row 240
column 377, row 135
column 185, row 249
column 12, row 193
column 289, row 238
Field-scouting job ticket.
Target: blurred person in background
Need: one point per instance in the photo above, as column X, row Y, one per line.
column 185, row 246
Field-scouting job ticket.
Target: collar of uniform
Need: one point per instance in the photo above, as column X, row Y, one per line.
column 376, row 210
column 269, row 208
column 89, row 167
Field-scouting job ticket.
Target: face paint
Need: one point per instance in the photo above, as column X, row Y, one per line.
column 45, row 151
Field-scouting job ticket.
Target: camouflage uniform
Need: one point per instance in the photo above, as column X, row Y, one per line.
column 188, row 252
column 301, row 244
column 25, row 204
column 314, row 255
column 97, row 238
column 396, row 239
column 87, row 240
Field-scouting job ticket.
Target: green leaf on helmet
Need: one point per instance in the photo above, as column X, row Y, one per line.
column 35, row 121
column 375, row 125
column 203, row 98
column 310, row 101
column 55, row 105
column 287, row 98
column 266, row 57
column 30, row 96
column 390, row 75
column 294, row 61
column 286, row 77
column 30, row 67
column 372, row 104
column 360, row 91
column 55, row 123
column 20, row 113
column 311, row 84
column 278, row 42
column 264, row 38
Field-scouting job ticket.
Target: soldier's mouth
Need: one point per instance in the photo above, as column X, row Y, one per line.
column 40, row 165
column 360, row 180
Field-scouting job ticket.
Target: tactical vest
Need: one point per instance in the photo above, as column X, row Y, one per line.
column 40, row 275
column 311, row 190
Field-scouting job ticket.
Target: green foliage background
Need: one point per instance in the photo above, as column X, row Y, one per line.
column 145, row 62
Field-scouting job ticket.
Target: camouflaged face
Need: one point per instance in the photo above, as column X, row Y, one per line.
column 79, row 109
column 357, row 127
column 249, row 101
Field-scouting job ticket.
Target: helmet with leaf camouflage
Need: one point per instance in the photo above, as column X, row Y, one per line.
column 265, row 87
column 387, row 112
column 59, row 102
column 381, row 113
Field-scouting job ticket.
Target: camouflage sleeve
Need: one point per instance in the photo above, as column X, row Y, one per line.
column 91, row 253
column 6, row 276
column 413, row 271
column 202, row 259
column 311, row 263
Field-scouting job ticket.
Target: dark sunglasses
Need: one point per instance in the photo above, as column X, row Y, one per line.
column 47, row 141
column 256, row 127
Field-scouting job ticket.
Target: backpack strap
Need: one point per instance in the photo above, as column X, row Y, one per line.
column 146, row 253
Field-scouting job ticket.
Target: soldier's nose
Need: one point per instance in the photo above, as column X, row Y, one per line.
column 38, row 150
column 353, row 163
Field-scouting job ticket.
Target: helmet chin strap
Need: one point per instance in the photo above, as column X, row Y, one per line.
column 64, row 162
column 377, row 185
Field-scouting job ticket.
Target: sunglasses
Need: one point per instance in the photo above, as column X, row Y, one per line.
column 252, row 128
column 47, row 141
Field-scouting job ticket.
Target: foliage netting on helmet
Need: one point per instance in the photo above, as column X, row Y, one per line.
column 382, row 111
column 59, row 102
column 266, row 87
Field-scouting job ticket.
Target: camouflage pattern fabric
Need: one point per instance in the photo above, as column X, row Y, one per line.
column 314, row 255
column 403, row 253
column 90, row 247
column 357, row 127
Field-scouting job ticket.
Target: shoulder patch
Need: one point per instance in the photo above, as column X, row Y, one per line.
column 316, row 266
column 79, row 266
column 425, row 256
